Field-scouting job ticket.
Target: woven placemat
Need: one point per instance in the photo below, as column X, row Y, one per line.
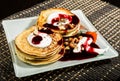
column 105, row 17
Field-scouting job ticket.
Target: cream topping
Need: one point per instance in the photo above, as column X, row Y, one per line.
column 46, row 40
column 85, row 41
column 78, row 47
column 60, row 23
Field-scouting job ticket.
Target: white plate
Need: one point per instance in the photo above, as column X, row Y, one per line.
column 14, row 27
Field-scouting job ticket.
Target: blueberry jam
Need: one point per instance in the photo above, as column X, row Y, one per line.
column 36, row 39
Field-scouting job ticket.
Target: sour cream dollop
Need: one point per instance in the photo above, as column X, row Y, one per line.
column 59, row 18
column 85, row 42
column 40, row 40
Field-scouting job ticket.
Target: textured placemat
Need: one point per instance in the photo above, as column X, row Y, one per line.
column 105, row 17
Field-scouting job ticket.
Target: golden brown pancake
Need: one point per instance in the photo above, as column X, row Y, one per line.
column 33, row 57
column 52, row 59
column 22, row 44
column 45, row 13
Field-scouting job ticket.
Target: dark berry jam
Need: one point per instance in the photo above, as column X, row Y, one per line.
column 55, row 20
column 94, row 45
column 61, row 16
column 47, row 30
column 65, row 16
column 61, row 52
column 51, row 26
column 36, row 39
column 70, row 55
column 75, row 20
column 67, row 27
column 60, row 42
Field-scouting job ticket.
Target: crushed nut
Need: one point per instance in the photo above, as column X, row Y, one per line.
column 66, row 39
column 70, row 39
column 80, row 37
column 66, row 43
column 72, row 45
column 76, row 40
column 67, row 47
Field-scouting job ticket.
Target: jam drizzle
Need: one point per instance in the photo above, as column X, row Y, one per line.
column 70, row 55
column 62, row 51
column 51, row 26
column 75, row 20
column 46, row 30
column 60, row 42
column 61, row 17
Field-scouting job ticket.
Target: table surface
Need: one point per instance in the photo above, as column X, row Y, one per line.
column 106, row 19
column 18, row 5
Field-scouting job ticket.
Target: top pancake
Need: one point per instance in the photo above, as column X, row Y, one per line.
column 24, row 46
column 45, row 13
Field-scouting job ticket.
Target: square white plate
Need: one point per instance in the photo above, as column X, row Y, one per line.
column 14, row 27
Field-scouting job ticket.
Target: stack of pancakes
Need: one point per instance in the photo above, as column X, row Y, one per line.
column 69, row 29
column 46, row 21
column 35, row 55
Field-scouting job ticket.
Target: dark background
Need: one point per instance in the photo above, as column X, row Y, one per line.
column 8, row 7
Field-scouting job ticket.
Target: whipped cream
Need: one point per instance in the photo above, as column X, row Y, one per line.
column 82, row 41
column 86, row 41
column 44, row 42
column 56, row 15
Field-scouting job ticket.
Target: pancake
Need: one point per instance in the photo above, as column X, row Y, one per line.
column 33, row 57
column 59, row 20
column 45, row 13
column 54, row 58
column 23, row 45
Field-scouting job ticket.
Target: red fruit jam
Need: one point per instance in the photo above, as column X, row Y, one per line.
column 70, row 55
column 36, row 39
column 61, row 16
